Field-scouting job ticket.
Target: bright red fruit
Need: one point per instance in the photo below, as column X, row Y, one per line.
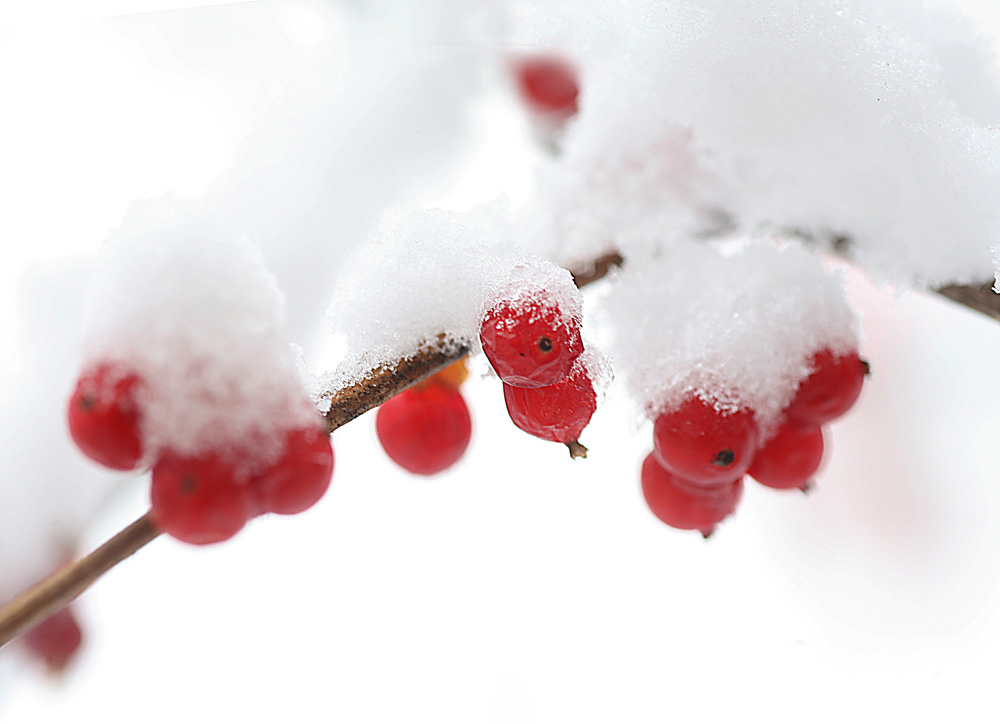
column 104, row 417
column 301, row 475
column 558, row 412
column 790, row 458
column 830, row 390
column 704, row 444
column 199, row 500
column 55, row 640
column 530, row 344
column 425, row 430
column 686, row 505
column 548, row 84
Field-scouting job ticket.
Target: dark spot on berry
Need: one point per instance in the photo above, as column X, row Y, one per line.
column 87, row 402
column 724, row 458
column 188, row 484
column 545, row 344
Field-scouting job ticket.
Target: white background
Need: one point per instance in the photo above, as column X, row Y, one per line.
column 520, row 586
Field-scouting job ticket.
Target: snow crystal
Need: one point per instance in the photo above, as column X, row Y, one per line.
column 201, row 320
column 872, row 121
column 740, row 326
column 427, row 277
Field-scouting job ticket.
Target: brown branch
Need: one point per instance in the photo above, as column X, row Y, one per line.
column 55, row 592
column 978, row 297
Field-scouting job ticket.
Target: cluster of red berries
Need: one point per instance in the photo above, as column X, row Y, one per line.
column 426, row 429
column 693, row 479
column 535, row 349
column 198, row 499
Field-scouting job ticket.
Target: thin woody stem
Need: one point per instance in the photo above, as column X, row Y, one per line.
column 55, row 592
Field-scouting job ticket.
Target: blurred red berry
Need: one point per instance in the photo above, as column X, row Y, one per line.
column 199, row 499
column 705, row 443
column 530, row 344
column 104, row 417
column 686, row 505
column 790, row 458
column 56, row 640
column 301, row 475
column 425, row 431
column 830, row 390
column 548, row 84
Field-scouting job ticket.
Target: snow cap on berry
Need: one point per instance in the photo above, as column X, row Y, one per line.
column 738, row 328
column 427, row 277
column 201, row 321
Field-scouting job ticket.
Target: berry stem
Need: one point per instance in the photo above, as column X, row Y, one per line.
column 576, row 450
column 55, row 592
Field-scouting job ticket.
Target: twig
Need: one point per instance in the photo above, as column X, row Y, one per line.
column 980, row 297
column 55, row 592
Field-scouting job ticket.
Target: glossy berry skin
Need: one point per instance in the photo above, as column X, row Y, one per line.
column 830, row 390
column 56, row 640
column 425, row 431
column 700, row 443
column 104, row 417
column 530, row 344
column 199, row 500
column 790, row 458
column 558, row 412
column 548, row 84
column 685, row 505
column 300, row 476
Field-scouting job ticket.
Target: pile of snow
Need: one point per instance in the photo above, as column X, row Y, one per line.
column 201, row 320
column 739, row 324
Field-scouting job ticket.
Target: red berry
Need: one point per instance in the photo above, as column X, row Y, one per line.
column 686, row 505
column 790, row 458
column 425, row 430
column 301, row 475
column 104, row 417
column 530, row 344
column 830, row 390
column 55, row 640
column 558, row 412
column 199, row 500
column 548, row 84
column 705, row 444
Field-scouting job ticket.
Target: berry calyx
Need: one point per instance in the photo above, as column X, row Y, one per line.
column 830, row 390
column 424, row 431
column 199, row 500
column 790, row 458
column 530, row 343
column 704, row 442
column 56, row 640
column 301, row 475
column 548, row 84
column 558, row 412
column 686, row 505
column 104, row 417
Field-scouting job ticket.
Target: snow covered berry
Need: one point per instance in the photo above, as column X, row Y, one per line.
column 558, row 412
column 686, row 505
column 426, row 430
column 830, row 390
column 301, row 475
column 530, row 343
column 104, row 417
column 704, row 441
column 199, row 500
column 790, row 458
column 548, row 84
column 56, row 640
